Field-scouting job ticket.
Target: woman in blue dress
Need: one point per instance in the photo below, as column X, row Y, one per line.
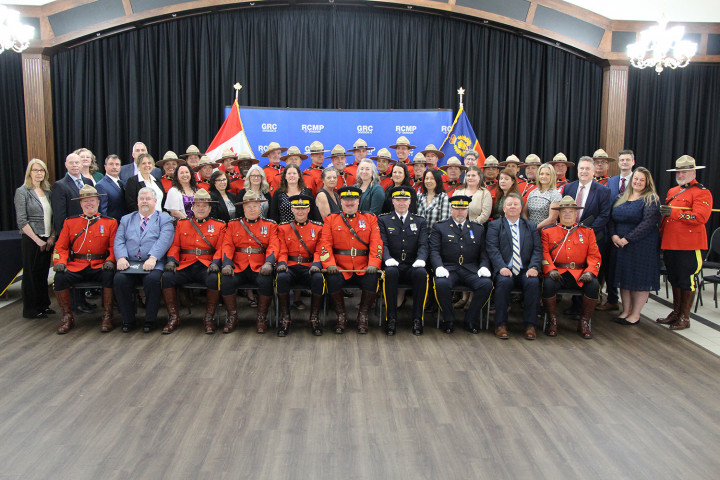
column 634, row 230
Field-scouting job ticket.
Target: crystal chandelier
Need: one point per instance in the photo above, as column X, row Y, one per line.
column 661, row 48
column 13, row 34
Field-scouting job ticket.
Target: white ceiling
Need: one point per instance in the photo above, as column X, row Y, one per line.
column 676, row 10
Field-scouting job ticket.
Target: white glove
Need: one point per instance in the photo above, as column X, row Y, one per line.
column 483, row 272
column 419, row 264
column 391, row 262
column 442, row 272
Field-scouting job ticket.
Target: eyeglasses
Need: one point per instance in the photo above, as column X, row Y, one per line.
column 34, row 170
column 221, row 180
column 255, row 176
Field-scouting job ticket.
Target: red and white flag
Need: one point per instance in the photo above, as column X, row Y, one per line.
column 231, row 135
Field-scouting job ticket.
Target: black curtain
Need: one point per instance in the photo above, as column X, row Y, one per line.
column 672, row 114
column 167, row 84
column 13, row 150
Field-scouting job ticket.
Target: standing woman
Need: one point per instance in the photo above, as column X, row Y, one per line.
column 400, row 177
column 507, row 183
column 180, row 197
column 327, row 199
column 634, row 223
column 541, row 202
column 368, row 180
column 433, row 203
column 256, row 182
column 291, row 184
column 34, row 219
column 88, row 165
column 224, row 207
column 145, row 164
column 474, row 187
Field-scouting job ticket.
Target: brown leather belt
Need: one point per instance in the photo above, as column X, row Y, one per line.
column 250, row 250
column 89, row 256
column 300, row 259
column 196, row 251
column 571, row 266
column 353, row 252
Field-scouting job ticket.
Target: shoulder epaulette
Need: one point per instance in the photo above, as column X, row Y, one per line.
column 108, row 217
column 285, row 223
column 384, row 214
column 233, row 219
column 549, row 226
column 270, row 220
column 418, row 216
column 183, row 219
column 316, row 222
column 218, row 220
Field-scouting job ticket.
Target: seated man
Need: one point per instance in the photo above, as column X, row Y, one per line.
column 249, row 251
column 571, row 259
column 351, row 250
column 194, row 256
column 298, row 262
column 515, row 251
column 404, row 237
column 84, row 253
column 457, row 253
column 143, row 237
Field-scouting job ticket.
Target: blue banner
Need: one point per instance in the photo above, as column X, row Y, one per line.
column 379, row 128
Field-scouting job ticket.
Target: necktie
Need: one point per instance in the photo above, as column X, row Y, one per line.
column 622, row 185
column 516, row 250
column 142, row 229
column 79, row 183
column 579, row 200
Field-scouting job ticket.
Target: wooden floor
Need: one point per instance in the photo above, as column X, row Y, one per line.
column 634, row 402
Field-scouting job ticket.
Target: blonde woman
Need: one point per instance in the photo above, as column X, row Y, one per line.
column 89, row 166
column 537, row 208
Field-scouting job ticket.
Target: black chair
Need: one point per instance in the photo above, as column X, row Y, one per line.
column 382, row 300
column 700, row 279
column 484, row 312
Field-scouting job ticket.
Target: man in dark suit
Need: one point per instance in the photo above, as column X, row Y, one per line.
column 112, row 204
column 515, row 251
column 130, row 169
column 404, row 238
column 457, row 253
column 65, row 190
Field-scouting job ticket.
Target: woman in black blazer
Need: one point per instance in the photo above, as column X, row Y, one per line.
column 219, row 192
column 145, row 164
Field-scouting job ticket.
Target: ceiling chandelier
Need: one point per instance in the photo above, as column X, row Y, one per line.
column 13, row 34
column 660, row 48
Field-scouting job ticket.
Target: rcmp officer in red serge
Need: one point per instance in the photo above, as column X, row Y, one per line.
column 405, row 252
column 457, row 253
column 273, row 170
column 351, row 250
column 194, row 256
column 571, row 259
column 298, row 262
column 312, row 176
column 249, row 253
column 243, row 163
column 84, row 253
column 360, row 150
column 561, row 164
column 683, row 236
column 601, row 160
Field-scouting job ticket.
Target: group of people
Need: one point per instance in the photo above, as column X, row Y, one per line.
column 231, row 225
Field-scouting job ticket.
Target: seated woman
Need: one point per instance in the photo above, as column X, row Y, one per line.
column 327, row 199
column 223, row 206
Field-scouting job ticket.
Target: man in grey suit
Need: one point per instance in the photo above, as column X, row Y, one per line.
column 130, row 169
column 141, row 242
column 112, row 204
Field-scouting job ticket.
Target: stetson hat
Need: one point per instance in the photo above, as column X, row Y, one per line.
column 454, row 162
column 245, row 157
column 532, row 159
column 317, row 147
column 205, row 160
column 227, row 153
column 88, row 191
column 686, row 162
column 491, row 162
column 402, row 142
column 567, row 202
column 191, row 150
column 561, row 158
column 202, row 195
column 419, row 158
column 273, row 146
column 601, row 154
column 401, row 191
column 300, row 201
column 360, row 143
column 460, row 201
column 169, row 155
column 338, row 151
column 512, row 159
column 294, row 152
column 383, row 154
column 350, row 193
column 252, row 197
column 432, row 149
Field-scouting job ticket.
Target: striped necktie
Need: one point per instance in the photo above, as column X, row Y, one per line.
column 143, row 225
column 516, row 250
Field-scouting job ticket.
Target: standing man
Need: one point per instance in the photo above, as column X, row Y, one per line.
column 686, row 211
column 226, row 158
column 130, row 170
column 571, row 259
column 360, row 151
column 457, row 254
column 532, row 163
column 192, row 157
column 515, row 251
column 404, row 237
column 560, row 164
column 453, row 168
column 84, row 253
column 298, row 262
column 384, row 165
column 142, row 240
column 194, row 256
column 618, row 183
column 204, row 171
column 338, row 159
column 419, row 164
column 273, row 170
column 243, row 162
column 312, row 176
column 491, row 170
column 601, row 159
column 293, row 157
column 402, row 151
column 351, row 251
column 111, row 189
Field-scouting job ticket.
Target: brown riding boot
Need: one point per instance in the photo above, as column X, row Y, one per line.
column 366, row 302
column 550, row 306
column 686, row 301
column 107, row 316
column 68, row 320
column 263, row 305
column 170, row 297
column 339, row 302
column 588, row 307
column 284, row 300
column 230, row 302
column 672, row 316
column 211, row 303
column 315, row 305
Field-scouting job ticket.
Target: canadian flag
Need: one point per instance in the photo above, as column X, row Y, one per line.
column 231, row 135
